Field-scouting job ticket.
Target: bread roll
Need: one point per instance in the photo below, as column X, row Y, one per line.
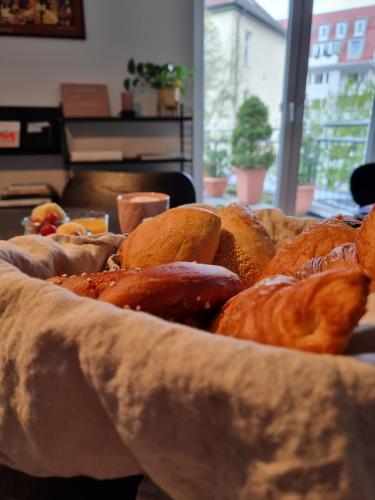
column 180, row 234
column 92, row 284
column 317, row 314
column 245, row 246
column 181, row 291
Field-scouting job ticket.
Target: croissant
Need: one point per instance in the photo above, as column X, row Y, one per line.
column 317, row 239
column 92, row 284
column 359, row 255
column 317, row 314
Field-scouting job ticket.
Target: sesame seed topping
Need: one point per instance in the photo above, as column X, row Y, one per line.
column 73, row 276
column 207, row 305
column 83, row 274
column 64, row 275
column 89, row 279
column 112, row 283
column 58, row 282
column 138, row 308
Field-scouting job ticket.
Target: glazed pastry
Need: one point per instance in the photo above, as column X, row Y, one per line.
column 90, row 285
column 245, row 246
column 181, row 291
column 317, row 314
column 180, row 234
column 317, row 239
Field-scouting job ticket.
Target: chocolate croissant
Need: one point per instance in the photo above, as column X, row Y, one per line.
column 317, row 314
column 317, row 239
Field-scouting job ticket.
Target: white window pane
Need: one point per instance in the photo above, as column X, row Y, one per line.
column 355, row 48
column 360, row 27
column 323, row 32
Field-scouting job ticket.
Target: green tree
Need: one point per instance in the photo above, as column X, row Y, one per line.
column 339, row 143
column 250, row 146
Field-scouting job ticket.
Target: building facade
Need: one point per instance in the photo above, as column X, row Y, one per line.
column 249, row 46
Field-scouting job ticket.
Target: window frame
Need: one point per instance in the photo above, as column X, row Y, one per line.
column 361, row 41
column 247, row 46
column 363, row 32
column 341, row 23
column 322, row 38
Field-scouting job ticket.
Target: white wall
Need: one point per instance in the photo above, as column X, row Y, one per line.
column 32, row 68
column 156, row 30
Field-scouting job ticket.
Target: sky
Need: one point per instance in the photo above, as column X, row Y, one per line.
column 279, row 8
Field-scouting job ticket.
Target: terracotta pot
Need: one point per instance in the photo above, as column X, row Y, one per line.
column 215, row 186
column 250, row 184
column 304, row 198
column 169, row 99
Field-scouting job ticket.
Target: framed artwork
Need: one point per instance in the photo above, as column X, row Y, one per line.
column 42, row 18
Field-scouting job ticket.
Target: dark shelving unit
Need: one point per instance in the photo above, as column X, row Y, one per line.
column 129, row 164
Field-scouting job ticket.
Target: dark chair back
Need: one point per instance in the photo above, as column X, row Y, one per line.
column 362, row 184
column 99, row 189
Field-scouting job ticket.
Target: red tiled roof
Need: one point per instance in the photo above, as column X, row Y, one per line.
column 350, row 15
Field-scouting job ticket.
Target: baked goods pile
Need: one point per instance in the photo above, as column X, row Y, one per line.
column 220, row 270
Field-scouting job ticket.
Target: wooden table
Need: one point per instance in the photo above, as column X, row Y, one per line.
column 11, row 218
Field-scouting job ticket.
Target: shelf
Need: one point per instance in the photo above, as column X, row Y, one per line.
column 129, row 161
column 119, row 119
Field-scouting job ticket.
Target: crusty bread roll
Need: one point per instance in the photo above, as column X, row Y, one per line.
column 181, row 291
column 180, row 234
column 317, row 314
column 245, row 246
column 317, row 239
column 92, row 284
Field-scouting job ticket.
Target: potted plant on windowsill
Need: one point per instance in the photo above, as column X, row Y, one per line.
column 252, row 154
column 215, row 179
column 143, row 88
column 306, row 175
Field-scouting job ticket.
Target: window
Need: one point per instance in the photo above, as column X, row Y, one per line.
column 320, row 78
column 360, row 27
column 341, row 29
column 336, row 48
column 315, row 50
column 355, row 48
column 327, row 49
column 323, row 32
column 247, row 48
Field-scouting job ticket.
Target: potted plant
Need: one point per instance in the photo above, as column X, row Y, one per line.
column 252, row 154
column 216, row 164
column 142, row 84
column 170, row 81
column 306, row 174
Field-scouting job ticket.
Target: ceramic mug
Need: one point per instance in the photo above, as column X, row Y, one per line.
column 133, row 208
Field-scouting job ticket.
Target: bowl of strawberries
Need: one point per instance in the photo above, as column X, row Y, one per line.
column 50, row 218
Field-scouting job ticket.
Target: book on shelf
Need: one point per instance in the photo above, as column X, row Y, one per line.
column 23, row 202
column 25, row 190
column 162, row 156
column 92, row 156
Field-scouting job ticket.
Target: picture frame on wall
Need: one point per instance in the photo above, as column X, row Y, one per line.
column 42, row 18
